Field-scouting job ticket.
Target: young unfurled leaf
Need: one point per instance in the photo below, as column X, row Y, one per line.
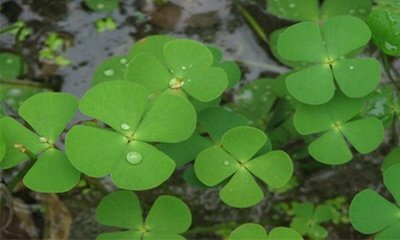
column 136, row 119
column 335, row 121
column 188, row 67
column 257, row 232
column 386, row 220
column 168, row 218
column 235, row 159
column 48, row 114
column 326, row 47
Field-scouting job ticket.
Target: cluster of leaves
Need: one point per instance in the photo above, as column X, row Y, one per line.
column 51, row 50
column 257, row 232
column 106, row 24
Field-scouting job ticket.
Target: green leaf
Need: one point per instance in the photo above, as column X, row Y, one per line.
column 337, row 33
column 49, row 113
column 357, row 77
column 119, row 104
column 185, row 56
column 120, row 209
column 2, row 146
column 364, row 134
column 331, row 148
column 206, row 85
column 369, row 203
column 131, row 235
column 274, row 168
column 216, row 53
column 391, row 178
column 169, row 214
column 232, row 71
column 214, row 165
column 313, row 85
column 217, row 120
column 283, row 233
column 102, row 5
column 304, row 210
column 317, row 232
column 149, row 168
column 171, row 119
column 52, row 173
column 323, row 213
column 306, row 10
column 112, row 68
column 11, row 65
column 391, row 159
column 15, row 133
column 162, row 236
column 392, row 232
column 241, row 191
column 186, row 151
column 357, row 8
column 314, row 119
column 249, row 231
column 95, row 151
column 153, row 45
column 380, row 104
column 243, row 142
column 300, row 225
column 146, row 70
column 302, row 42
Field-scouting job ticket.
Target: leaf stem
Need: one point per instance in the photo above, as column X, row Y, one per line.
column 387, row 68
column 21, row 173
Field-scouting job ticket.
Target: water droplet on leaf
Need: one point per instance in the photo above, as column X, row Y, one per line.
column 183, row 68
column 176, row 83
column 9, row 61
column 134, row 158
column 123, row 60
column 292, row 5
column 125, row 126
column 226, row 162
column 109, row 72
column 351, row 67
column 100, row 6
column 43, row 139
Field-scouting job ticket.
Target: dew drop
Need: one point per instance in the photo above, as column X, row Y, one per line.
column 226, row 162
column 176, row 83
column 134, row 158
column 362, row 10
column 189, row 80
column 109, row 72
column 183, row 68
column 100, row 6
column 125, row 126
column 351, row 67
column 43, row 139
column 352, row 11
column 9, row 61
column 292, row 5
column 123, row 60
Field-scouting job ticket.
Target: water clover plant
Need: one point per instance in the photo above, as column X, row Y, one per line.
column 168, row 218
column 385, row 222
column 136, row 119
column 105, row 24
column 308, row 218
column 254, row 231
column 235, row 160
column 51, row 51
column 187, row 68
column 338, row 123
column 48, row 114
column 326, row 49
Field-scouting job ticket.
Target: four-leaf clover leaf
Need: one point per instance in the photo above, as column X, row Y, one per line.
column 335, row 120
column 236, row 159
column 167, row 219
column 308, row 218
column 188, row 66
column 325, row 49
column 371, row 213
column 254, row 231
column 48, row 114
column 136, row 119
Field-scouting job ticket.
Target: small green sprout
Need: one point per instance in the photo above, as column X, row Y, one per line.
column 370, row 213
column 183, row 65
column 51, row 51
column 25, row 32
column 309, row 10
column 391, row 159
column 384, row 22
column 136, row 119
column 11, row 66
column 254, row 231
column 102, row 5
column 106, row 24
column 326, row 50
column 168, row 218
column 235, row 159
column 340, row 210
column 338, row 123
column 48, row 114
column 308, row 219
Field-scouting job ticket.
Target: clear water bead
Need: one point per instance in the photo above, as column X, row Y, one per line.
column 134, row 158
column 43, row 139
column 9, row 61
column 226, row 162
column 109, row 72
column 351, row 67
column 125, row 126
column 100, row 6
column 176, row 83
column 292, row 5
column 123, row 60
